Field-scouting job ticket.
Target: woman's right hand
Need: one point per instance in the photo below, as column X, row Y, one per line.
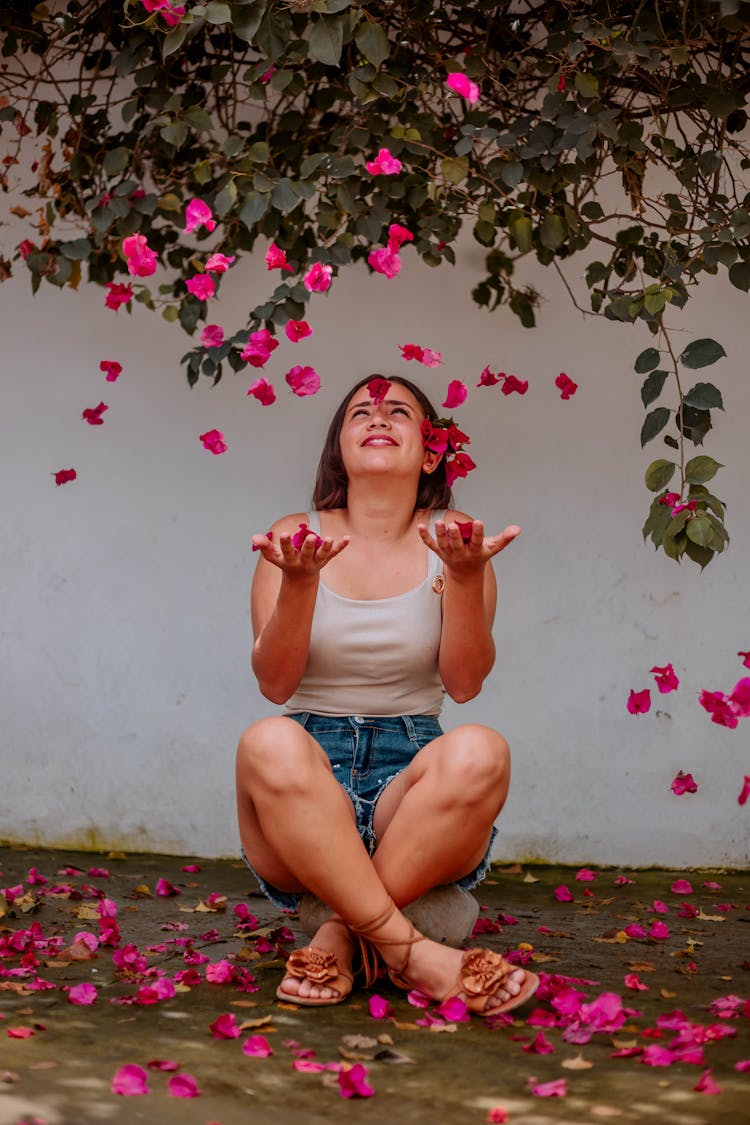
column 308, row 560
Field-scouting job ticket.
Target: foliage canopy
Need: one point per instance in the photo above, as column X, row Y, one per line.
column 616, row 130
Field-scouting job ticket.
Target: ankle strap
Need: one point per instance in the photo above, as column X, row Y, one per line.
column 364, row 929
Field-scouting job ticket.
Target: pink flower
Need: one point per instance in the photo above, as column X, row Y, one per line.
column 172, row 15
column 377, row 389
column 623, row 881
column 566, row 386
column 562, row 894
column 267, row 75
column 681, row 887
column 740, row 696
column 130, row 1081
column 706, row 1084
column 162, row 1064
column 163, row 886
column 112, row 368
column 299, row 537
column 276, row 259
column 719, row 708
column 634, row 930
column 743, row 1066
column 744, row 792
column 25, row 248
column 459, row 465
column 585, row 875
column 557, row 1088
column 666, row 680
column 82, row 994
column 213, row 441
column 259, row 346
column 659, row 907
column 462, row 85
column 683, row 783
column 453, row 1010
column 93, row 415
column 456, row 394
column 62, row 476
column 155, row 5
column 511, row 384
column 539, row 1045
column 353, row 1082
column 225, row 1027
column 201, row 286
column 219, row 263
column 297, row 330
column 20, row 1032
column 430, row 358
column 118, row 294
column 318, row 278
column 140, row 258
column 487, row 379
column 745, row 658
column 263, row 391
column 220, row 973
column 183, row 1086
column 303, row 380
column 659, row 931
column 212, row 336
column 632, row 981
column 384, row 164
column 256, row 1047
column 198, row 214
column 639, row 702
column 425, row 356
column 434, row 438
column 497, row 1115
column 379, row 1008
column 654, row 1055
column 384, row 261
column 397, row 236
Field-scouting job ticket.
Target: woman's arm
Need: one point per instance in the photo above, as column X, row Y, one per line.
column 282, row 603
column 467, row 650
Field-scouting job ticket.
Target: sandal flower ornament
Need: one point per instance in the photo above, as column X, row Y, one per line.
column 483, row 972
column 313, row 964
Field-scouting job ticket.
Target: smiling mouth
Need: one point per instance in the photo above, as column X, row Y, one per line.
column 379, row 441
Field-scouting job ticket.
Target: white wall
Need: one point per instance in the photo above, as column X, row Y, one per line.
column 123, row 596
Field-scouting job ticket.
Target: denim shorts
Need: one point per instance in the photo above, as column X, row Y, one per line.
column 366, row 754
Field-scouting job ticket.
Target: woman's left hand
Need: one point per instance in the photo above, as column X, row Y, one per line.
column 464, row 556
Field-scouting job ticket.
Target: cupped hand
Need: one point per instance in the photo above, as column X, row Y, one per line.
column 463, row 555
column 311, row 557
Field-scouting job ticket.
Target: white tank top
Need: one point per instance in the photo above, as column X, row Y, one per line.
column 376, row 657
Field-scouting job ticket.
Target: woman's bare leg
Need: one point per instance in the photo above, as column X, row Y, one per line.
column 433, row 822
column 308, row 837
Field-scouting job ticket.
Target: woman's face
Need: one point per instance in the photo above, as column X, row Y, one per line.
column 386, row 438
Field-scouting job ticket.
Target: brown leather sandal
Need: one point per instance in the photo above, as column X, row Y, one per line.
column 319, row 966
column 483, row 972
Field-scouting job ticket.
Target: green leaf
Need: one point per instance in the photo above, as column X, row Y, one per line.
column 659, row 474
column 246, row 19
column 700, row 469
column 653, row 386
column 283, row 196
column 704, row 396
column 116, row 160
column 739, row 275
column 254, row 207
column 226, row 199
column 700, row 555
column 587, row 85
column 326, row 41
column 694, row 424
column 647, row 361
column 372, row 41
column 454, row 169
column 175, row 134
column 521, row 232
column 218, row 13
column 699, row 530
column 654, row 423
column 552, row 232
column 701, row 353
column 77, row 250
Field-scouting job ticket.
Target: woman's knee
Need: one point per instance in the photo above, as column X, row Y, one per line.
column 275, row 752
column 478, row 760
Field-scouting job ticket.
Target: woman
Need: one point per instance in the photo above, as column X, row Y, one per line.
column 355, row 794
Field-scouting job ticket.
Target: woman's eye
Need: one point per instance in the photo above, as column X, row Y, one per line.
column 400, row 410
column 358, row 413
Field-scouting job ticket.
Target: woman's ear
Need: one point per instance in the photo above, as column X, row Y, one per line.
column 431, row 461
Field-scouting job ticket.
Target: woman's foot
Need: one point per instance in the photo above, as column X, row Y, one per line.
column 441, row 972
column 320, row 973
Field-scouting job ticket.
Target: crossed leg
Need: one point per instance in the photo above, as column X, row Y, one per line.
column 433, row 824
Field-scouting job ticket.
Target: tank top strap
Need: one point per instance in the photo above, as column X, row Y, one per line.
column 313, row 521
column 434, row 564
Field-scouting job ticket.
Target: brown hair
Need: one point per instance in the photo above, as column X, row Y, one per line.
column 331, row 482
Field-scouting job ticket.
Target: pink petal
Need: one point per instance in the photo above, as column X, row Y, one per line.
column 565, row 385
column 745, row 791
column 257, row 1047
column 353, row 1082
column 497, row 1115
column 112, row 369
column 163, row 886
column 632, row 981
column 639, row 702
column 225, row 1027
column 743, row 1066
column 745, row 658
column 462, row 85
column 659, row 931
column 276, row 257
column 706, row 1084
column 218, row 263
column 183, row 1086
column 377, row 389
column 511, row 384
column 318, row 278
column 118, row 294
column 130, row 1081
column 220, row 973
column 654, row 1055
column 63, row 476
column 456, row 394
column 681, row 887
column 297, row 330
column 202, row 286
column 740, row 696
column 298, row 541
column 213, row 441
column 93, row 415
column 212, row 336
column 397, row 236
column 303, row 380
column 197, row 214
column 540, row 1045
column 141, row 260
column 263, row 391
column 454, row 1010
column 558, row 1088
column 585, row 875
column 20, row 1032
column 82, row 994
column 384, row 164
column 562, row 894
column 385, row 261
column 379, row 1008
column 162, row 1064
column 666, row 680
column 683, row 783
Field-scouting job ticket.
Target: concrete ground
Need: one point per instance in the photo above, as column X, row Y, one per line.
column 442, row 1074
